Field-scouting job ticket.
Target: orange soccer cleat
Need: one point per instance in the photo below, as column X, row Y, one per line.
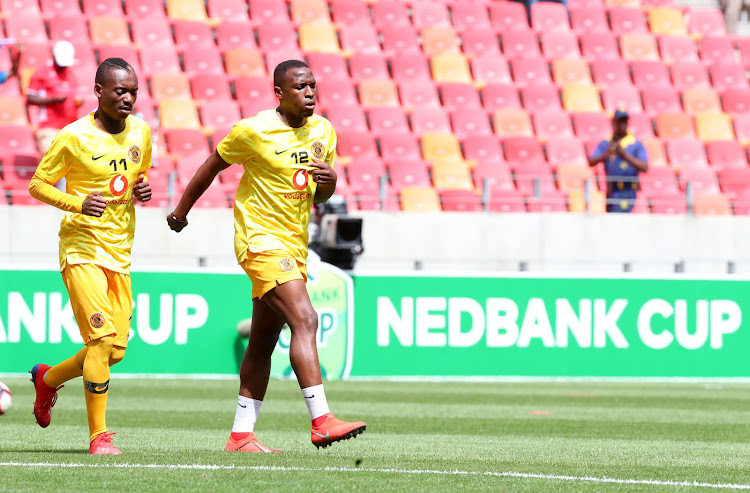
column 247, row 444
column 102, row 445
column 46, row 396
column 332, row 430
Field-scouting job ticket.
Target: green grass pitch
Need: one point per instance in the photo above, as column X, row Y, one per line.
column 441, row 436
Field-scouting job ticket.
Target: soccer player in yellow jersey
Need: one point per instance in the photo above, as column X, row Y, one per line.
column 104, row 157
column 287, row 154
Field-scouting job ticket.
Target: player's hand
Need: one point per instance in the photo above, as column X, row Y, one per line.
column 93, row 205
column 142, row 189
column 175, row 223
column 323, row 174
column 58, row 99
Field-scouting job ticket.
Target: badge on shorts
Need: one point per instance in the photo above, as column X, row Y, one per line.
column 285, row 264
column 97, row 320
column 134, row 153
column 318, row 150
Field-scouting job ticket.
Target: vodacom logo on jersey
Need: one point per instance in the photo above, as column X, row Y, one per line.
column 118, row 185
column 300, row 179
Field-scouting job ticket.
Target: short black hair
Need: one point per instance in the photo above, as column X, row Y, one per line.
column 280, row 71
column 108, row 66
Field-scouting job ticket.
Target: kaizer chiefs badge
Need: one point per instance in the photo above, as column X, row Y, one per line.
column 134, row 153
column 318, row 150
column 97, row 320
column 285, row 264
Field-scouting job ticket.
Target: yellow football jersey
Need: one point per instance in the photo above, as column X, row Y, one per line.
column 275, row 194
column 93, row 160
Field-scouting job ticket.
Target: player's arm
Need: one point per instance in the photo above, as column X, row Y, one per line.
column 603, row 151
column 638, row 159
column 325, row 177
column 141, row 187
column 202, row 179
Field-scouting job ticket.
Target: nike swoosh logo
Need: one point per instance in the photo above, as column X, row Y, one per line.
column 309, row 397
column 102, row 389
column 324, row 437
column 242, row 406
column 282, row 152
column 94, row 158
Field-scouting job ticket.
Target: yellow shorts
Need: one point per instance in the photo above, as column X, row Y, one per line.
column 272, row 268
column 102, row 301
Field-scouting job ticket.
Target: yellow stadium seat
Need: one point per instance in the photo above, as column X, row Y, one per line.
column 451, row 68
column 638, row 46
column 512, row 122
column 580, row 98
column 577, row 202
column 700, row 99
column 674, row 126
column 188, row 10
column 573, row 177
column 436, row 146
column 420, row 199
column 714, row 126
column 109, row 31
column 306, row 11
column 378, row 92
column 451, row 174
column 667, row 21
column 709, row 204
column 12, row 111
column 655, row 152
column 245, row 62
column 318, row 38
column 436, row 40
column 178, row 114
column 169, row 85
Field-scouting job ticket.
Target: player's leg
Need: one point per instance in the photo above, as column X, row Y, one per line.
column 254, row 373
column 291, row 301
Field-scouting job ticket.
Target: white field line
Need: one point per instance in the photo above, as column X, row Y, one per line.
column 553, row 477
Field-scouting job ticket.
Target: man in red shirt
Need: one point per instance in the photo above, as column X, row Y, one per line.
column 54, row 88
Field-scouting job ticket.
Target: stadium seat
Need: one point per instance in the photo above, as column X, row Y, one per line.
column 590, row 126
column 674, row 126
column 29, row 28
column 480, row 42
column 429, row 119
column 175, row 113
column 364, row 175
column 17, row 172
column 436, row 40
column 192, row 34
column 588, row 19
column 378, row 92
column 470, row 122
column 328, row 66
column 520, row 150
column 658, row 181
column 390, row 14
column 581, row 98
column 540, row 98
column 399, row 146
column 736, row 100
column 667, row 21
column 716, row 49
column 728, row 76
column 417, row 93
column 346, row 12
column 170, row 85
column 735, row 181
column 408, row 173
column 451, row 68
column 109, row 30
column 202, row 60
column 54, row 8
column 399, row 40
column 187, row 10
column 702, row 180
column 661, row 100
column 550, row 123
column 565, row 150
column 12, row 111
column 650, row 73
column 17, row 139
column 508, row 16
column 460, row 201
column 186, row 141
column 495, row 176
column 459, row 97
column 255, row 88
column 706, row 21
column 373, row 203
column 244, row 62
column 677, row 49
column 436, row 146
column 610, row 72
column 277, row 37
column 264, row 12
column 529, row 173
column 641, row 125
column 318, row 38
column 228, row 10
column 688, row 75
column 451, row 174
column 483, row 149
column 723, row 154
column 638, row 46
column 506, row 201
column 159, row 59
column 575, row 71
column 235, row 35
column 743, row 47
column 577, row 202
column 712, row 204
column 574, row 177
column 669, row 203
column 655, row 152
column 419, row 199
column 742, row 127
column 349, row 118
column 429, row 14
column 360, row 38
column 410, row 67
column 520, row 44
column 549, row 17
column 511, row 122
column 220, row 113
column 338, row 91
column 127, row 53
column 143, row 9
column 498, row 96
column 741, row 204
column 69, row 28
column 552, row 201
column 686, row 153
column 387, row 120
column 490, row 70
column 622, row 96
column 468, row 16
column 627, row 20
column 356, row 145
column 714, row 126
column 152, row 31
column 529, row 71
column 103, row 7
column 599, row 46
column 700, row 99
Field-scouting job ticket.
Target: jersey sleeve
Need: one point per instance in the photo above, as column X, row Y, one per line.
column 600, row 149
column 58, row 159
column 640, row 152
column 332, row 141
column 146, row 160
column 237, row 147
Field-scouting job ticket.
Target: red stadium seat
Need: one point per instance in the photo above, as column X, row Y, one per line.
column 18, row 170
column 390, row 14
column 627, row 20
column 457, row 96
column 661, row 100
column 327, row 66
column 599, row 46
column 339, row 91
column 590, row 126
column 54, row 8
column 25, row 26
column 507, row 201
column 705, row 21
column 418, row 93
column 468, row 16
column 529, row 71
column 686, row 153
column 17, row 139
column 69, row 28
column 460, row 201
column 716, row 49
column 143, row 9
column 700, row 99
column 743, row 46
column 727, row 75
column 741, row 204
column 399, row 147
column 408, row 173
column 350, row 13
column 655, row 152
column 499, row 96
column 508, row 16
column 309, row 11
column 356, row 144
column 228, row 10
column 399, row 40
column 490, row 70
column 549, row 17
column 429, row 14
column 410, row 67
column 520, row 44
column 264, row 12
column 203, row 60
column 735, row 182
column 235, row 35
column 552, row 123
column 540, row 98
column 496, row 176
column 649, row 73
column 658, row 181
column 526, row 174
column 111, row 8
column 674, row 126
column 429, row 119
column 368, row 66
column 360, row 38
column 183, row 142
column 641, row 125
column 677, row 49
column 688, row 74
column 565, row 150
column 220, row 113
column 736, row 100
column 348, row 118
column 670, row 203
column 152, row 31
column 277, row 37
column 610, row 72
column 255, row 88
column 159, row 59
column 483, row 149
column 480, row 42
column 724, row 154
column 469, row 122
column 387, row 120
column 622, row 96
column 703, row 180
column 588, row 20
column 638, row 46
column 520, row 150
column 192, row 34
